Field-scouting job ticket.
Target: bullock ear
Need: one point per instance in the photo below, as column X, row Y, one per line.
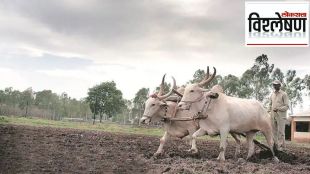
column 213, row 95
column 163, row 104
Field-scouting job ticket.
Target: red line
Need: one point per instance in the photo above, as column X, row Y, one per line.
column 277, row 44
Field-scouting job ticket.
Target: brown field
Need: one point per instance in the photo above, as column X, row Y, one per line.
column 27, row 149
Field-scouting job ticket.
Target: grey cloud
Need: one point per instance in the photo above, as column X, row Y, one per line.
column 119, row 23
column 44, row 62
column 129, row 28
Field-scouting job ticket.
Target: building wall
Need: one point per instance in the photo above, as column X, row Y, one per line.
column 300, row 136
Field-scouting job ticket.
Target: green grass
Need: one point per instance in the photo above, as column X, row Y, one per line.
column 107, row 127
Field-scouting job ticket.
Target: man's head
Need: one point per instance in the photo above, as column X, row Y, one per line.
column 276, row 85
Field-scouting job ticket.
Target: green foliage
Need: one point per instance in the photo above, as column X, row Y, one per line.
column 46, row 99
column 45, row 104
column 199, row 76
column 246, row 84
column 167, row 87
column 105, row 99
column 277, row 74
column 306, row 81
column 2, row 96
column 230, row 84
column 255, row 82
column 11, row 97
column 140, row 97
column 26, row 98
column 139, row 100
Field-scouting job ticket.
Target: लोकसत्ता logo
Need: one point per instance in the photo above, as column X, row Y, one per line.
column 276, row 24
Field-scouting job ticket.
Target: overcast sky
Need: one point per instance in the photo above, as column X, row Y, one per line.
column 71, row 45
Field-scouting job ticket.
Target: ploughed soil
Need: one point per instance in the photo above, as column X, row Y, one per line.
column 25, row 149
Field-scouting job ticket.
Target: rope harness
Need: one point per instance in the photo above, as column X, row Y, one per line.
column 199, row 115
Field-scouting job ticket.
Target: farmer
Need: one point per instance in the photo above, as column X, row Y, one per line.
column 278, row 107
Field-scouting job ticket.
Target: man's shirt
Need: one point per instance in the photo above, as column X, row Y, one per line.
column 279, row 100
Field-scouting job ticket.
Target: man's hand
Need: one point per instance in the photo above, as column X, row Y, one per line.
column 275, row 110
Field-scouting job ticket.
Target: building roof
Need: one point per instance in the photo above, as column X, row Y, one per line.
column 305, row 113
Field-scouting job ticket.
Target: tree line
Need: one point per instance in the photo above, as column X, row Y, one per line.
column 43, row 104
column 105, row 102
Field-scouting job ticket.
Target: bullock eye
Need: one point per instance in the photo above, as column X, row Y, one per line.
column 153, row 104
column 191, row 91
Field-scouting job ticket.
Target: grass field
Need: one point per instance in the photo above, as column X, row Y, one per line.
column 105, row 126
column 108, row 127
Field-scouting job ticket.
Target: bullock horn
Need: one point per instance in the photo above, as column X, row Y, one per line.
column 162, row 85
column 170, row 92
column 208, row 74
column 208, row 79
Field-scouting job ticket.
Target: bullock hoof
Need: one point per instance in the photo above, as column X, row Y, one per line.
column 248, row 157
column 220, row 159
column 193, row 151
column 241, row 161
column 276, row 160
column 157, row 154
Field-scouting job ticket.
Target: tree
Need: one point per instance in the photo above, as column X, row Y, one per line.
column 126, row 114
column 2, row 101
column 93, row 101
column 26, row 100
column 256, row 81
column 291, row 84
column 306, row 81
column 11, row 97
column 167, row 87
column 199, row 75
column 105, row 99
column 64, row 99
column 84, row 108
column 43, row 99
column 138, row 102
column 277, row 74
column 43, row 103
column 230, row 84
column 50, row 102
column 246, row 84
column 2, row 96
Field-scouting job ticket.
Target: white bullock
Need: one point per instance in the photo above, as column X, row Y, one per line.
column 226, row 115
column 158, row 107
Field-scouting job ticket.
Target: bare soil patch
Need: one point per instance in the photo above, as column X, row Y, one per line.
column 26, row 149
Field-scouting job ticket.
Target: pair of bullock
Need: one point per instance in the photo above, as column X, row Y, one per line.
column 208, row 112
